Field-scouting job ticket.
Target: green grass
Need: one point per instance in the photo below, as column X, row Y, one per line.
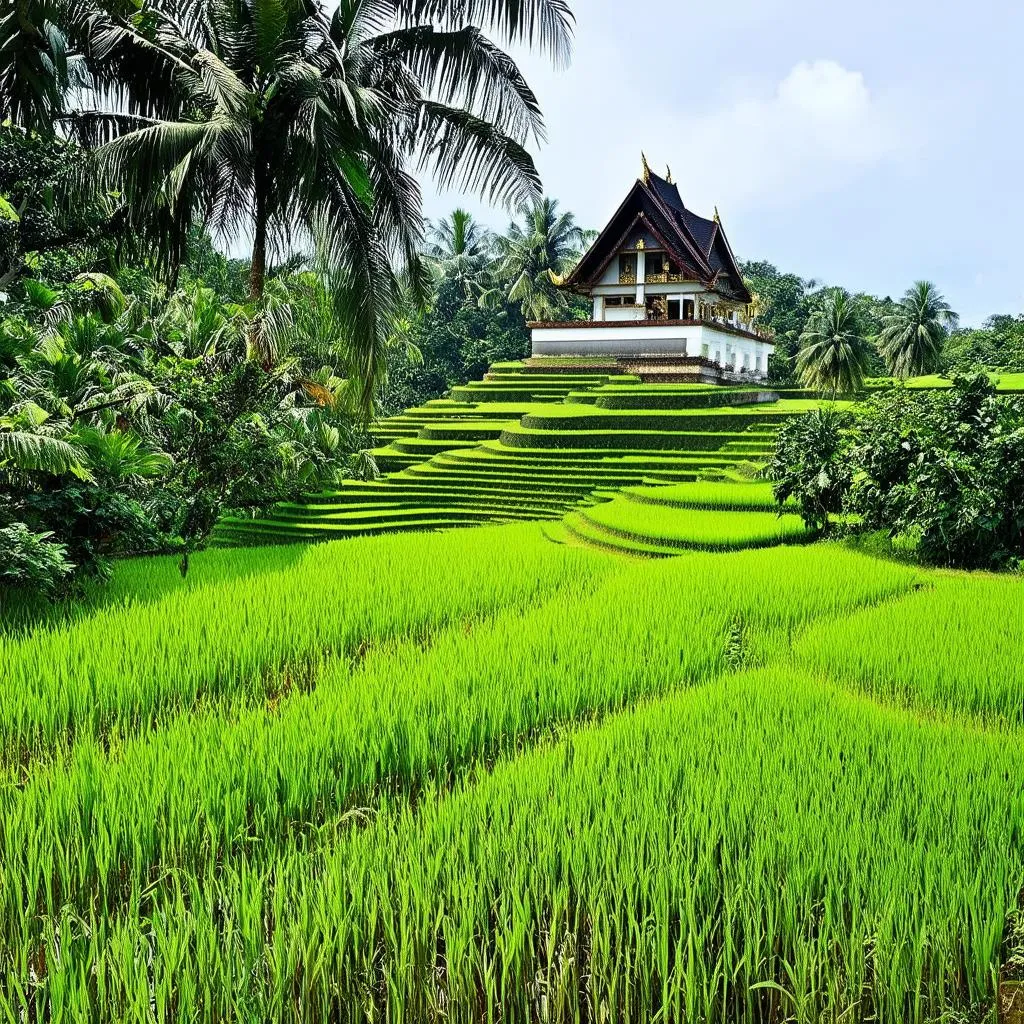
column 482, row 776
column 709, row 495
column 121, row 670
column 976, row 622
column 1003, row 381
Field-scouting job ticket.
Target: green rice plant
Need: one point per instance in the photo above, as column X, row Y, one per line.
column 695, row 527
column 92, row 831
column 954, row 645
column 126, row 666
column 708, row 494
column 634, row 440
column 715, row 420
column 142, row 580
column 790, row 851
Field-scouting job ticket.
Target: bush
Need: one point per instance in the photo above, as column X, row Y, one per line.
column 811, row 465
column 941, row 472
column 33, row 562
column 946, row 468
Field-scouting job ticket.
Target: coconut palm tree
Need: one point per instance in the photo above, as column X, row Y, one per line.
column 833, row 353
column 459, row 249
column 280, row 122
column 912, row 337
column 38, row 67
column 538, row 250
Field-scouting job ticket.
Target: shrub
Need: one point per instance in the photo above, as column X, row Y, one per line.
column 33, row 562
column 811, row 465
column 940, row 470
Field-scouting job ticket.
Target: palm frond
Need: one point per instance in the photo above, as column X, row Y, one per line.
column 545, row 25
column 463, row 150
column 27, row 451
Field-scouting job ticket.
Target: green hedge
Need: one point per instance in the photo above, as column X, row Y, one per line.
column 701, row 400
column 644, row 420
column 641, row 440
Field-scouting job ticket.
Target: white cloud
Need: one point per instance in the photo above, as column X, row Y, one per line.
column 755, row 146
column 819, row 127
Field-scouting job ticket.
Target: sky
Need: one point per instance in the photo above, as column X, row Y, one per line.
column 869, row 145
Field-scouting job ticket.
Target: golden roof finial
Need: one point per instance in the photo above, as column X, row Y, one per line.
column 647, row 169
column 718, row 220
column 668, row 174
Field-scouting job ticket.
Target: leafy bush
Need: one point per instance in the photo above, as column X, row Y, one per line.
column 942, row 470
column 811, row 464
column 33, row 561
column 946, row 468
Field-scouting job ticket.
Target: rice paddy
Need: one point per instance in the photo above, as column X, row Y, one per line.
column 479, row 776
column 524, row 444
column 643, row 752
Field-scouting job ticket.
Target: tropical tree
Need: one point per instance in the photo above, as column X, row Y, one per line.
column 833, row 354
column 277, row 121
column 539, row 249
column 37, row 65
column 459, row 250
column 912, row 337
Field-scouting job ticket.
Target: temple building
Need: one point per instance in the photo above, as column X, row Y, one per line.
column 664, row 288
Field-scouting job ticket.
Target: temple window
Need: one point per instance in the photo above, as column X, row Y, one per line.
column 657, row 307
column 661, row 268
column 627, row 268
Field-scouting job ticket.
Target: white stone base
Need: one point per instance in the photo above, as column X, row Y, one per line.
column 614, row 341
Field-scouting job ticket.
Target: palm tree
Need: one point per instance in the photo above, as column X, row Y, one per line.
column 459, row 248
column 833, row 353
column 911, row 338
column 535, row 254
column 37, row 65
column 277, row 121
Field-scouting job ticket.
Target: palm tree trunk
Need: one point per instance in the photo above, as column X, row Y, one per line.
column 258, row 267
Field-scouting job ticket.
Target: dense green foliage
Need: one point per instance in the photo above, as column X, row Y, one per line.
column 997, row 345
column 487, row 286
column 939, row 470
column 130, row 421
column 809, row 466
column 785, row 303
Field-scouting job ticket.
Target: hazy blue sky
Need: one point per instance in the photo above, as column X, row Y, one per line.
column 867, row 145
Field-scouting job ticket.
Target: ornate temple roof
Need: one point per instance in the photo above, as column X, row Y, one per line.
column 697, row 244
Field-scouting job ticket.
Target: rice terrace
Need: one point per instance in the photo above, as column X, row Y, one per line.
column 407, row 621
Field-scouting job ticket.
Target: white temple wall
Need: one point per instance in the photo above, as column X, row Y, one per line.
column 723, row 347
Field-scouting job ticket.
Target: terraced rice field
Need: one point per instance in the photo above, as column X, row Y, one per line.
column 703, row 516
column 1009, row 382
column 532, row 446
column 476, row 776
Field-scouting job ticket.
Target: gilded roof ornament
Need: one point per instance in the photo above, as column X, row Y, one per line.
column 668, row 174
column 718, row 220
column 646, row 168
